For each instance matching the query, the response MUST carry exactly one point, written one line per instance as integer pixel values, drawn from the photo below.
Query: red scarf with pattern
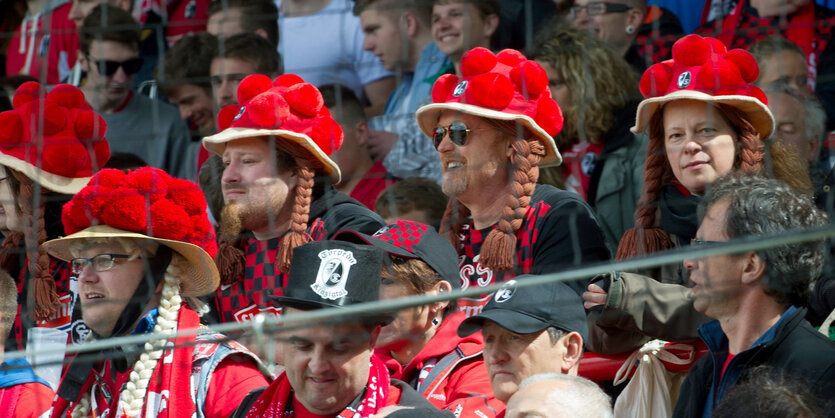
(277, 400)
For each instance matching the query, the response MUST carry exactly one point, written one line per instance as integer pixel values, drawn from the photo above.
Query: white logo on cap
(684, 79)
(506, 292)
(459, 89)
(240, 112)
(382, 230)
(333, 273)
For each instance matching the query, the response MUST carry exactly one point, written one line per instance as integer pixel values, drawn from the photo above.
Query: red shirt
(372, 184)
(47, 42)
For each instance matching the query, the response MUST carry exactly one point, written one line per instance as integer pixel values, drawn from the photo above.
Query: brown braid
(45, 294)
(656, 171)
(9, 255)
(499, 248)
(750, 156)
(298, 218)
(451, 225)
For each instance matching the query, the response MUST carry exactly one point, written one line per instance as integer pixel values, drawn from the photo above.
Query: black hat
(531, 309)
(412, 240)
(327, 274)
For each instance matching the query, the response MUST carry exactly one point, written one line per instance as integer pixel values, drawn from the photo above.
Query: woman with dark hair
(602, 160)
(70, 144)
(421, 345)
(705, 120)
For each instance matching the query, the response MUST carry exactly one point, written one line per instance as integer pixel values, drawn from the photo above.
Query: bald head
(558, 395)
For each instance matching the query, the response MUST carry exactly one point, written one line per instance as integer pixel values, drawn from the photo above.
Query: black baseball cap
(531, 309)
(328, 274)
(412, 240)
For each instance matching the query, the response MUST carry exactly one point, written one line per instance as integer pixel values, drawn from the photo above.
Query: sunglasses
(108, 67)
(458, 133)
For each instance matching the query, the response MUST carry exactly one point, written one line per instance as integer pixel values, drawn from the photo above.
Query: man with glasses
(756, 298)
(620, 22)
(493, 127)
(149, 129)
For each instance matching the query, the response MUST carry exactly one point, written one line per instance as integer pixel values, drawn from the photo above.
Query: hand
(768, 8)
(380, 143)
(595, 296)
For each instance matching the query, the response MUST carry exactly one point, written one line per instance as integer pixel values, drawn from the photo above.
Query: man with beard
(277, 189)
(493, 128)
(149, 129)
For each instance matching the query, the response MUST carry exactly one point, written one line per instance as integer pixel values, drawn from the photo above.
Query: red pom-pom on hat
(529, 77)
(746, 64)
(27, 92)
(127, 210)
(443, 87)
(691, 50)
(510, 57)
(549, 116)
(477, 61)
(287, 80)
(184, 194)
(227, 115)
(268, 110)
(149, 182)
(656, 80)
(304, 98)
(251, 86)
(12, 131)
(491, 90)
(90, 125)
(68, 96)
(67, 159)
(168, 221)
(717, 46)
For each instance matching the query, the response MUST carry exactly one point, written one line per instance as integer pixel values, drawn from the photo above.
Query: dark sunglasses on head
(458, 133)
(108, 67)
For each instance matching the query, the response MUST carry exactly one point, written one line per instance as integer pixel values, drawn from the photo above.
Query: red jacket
(458, 381)
(44, 44)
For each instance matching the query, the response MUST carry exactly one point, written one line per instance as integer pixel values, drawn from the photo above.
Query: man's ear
(442, 286)
(410, 24)
(375, 332)
(262, 33)
(814, 149)
(491, 23)
(754, 268)
(362, 131)
(573, 350)
(635, 18)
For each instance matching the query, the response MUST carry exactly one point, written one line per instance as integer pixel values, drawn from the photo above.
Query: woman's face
(408, 325)
(559, 90)
(10, 218)
(700, 144)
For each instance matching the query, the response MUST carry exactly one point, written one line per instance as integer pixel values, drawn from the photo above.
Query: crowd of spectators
(353, 151)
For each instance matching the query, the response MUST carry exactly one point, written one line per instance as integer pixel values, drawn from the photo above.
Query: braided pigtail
(8, 251)
(82, 408)
(45, 295)
(752, 148)
(651, 237)
(298, 218)
(499, 248)
(132, 397)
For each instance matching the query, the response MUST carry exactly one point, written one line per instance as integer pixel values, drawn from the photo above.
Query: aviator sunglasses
(458, 133)
(108, 67)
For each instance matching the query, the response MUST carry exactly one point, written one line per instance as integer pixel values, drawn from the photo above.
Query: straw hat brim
(427, 119)
(758, 113)
(201, 278)
(53, 182)
(217, 143)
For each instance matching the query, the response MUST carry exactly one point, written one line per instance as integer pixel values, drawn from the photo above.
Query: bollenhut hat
(411, 239)
(55, 139)
(503, 86)
(703, 69)
(289, 109)
(531, 309)
(330, 274)
(145, 204)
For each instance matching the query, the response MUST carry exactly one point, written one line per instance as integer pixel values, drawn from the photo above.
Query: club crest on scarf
(333, 273)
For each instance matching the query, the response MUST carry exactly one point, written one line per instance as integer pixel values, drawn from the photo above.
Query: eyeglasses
(458, 133)
(101, 262)
(700, 243)
(598, 8)
(217, 80)
(108, 67)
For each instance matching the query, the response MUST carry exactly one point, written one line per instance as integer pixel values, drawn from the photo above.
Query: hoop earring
(630, 30)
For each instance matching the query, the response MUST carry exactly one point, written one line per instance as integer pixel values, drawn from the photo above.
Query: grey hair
(575, 396)
(760, 206)
(815, 117)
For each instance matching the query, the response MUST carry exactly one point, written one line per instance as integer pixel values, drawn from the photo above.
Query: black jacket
(797, 349)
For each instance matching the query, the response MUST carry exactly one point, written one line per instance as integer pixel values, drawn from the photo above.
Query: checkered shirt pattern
(656, 48)
(61, 274)
(752, 28)
(473, 274)
(261, 277)
(405, 235)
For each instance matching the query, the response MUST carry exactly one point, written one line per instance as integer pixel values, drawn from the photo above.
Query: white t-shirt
(326, 48)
